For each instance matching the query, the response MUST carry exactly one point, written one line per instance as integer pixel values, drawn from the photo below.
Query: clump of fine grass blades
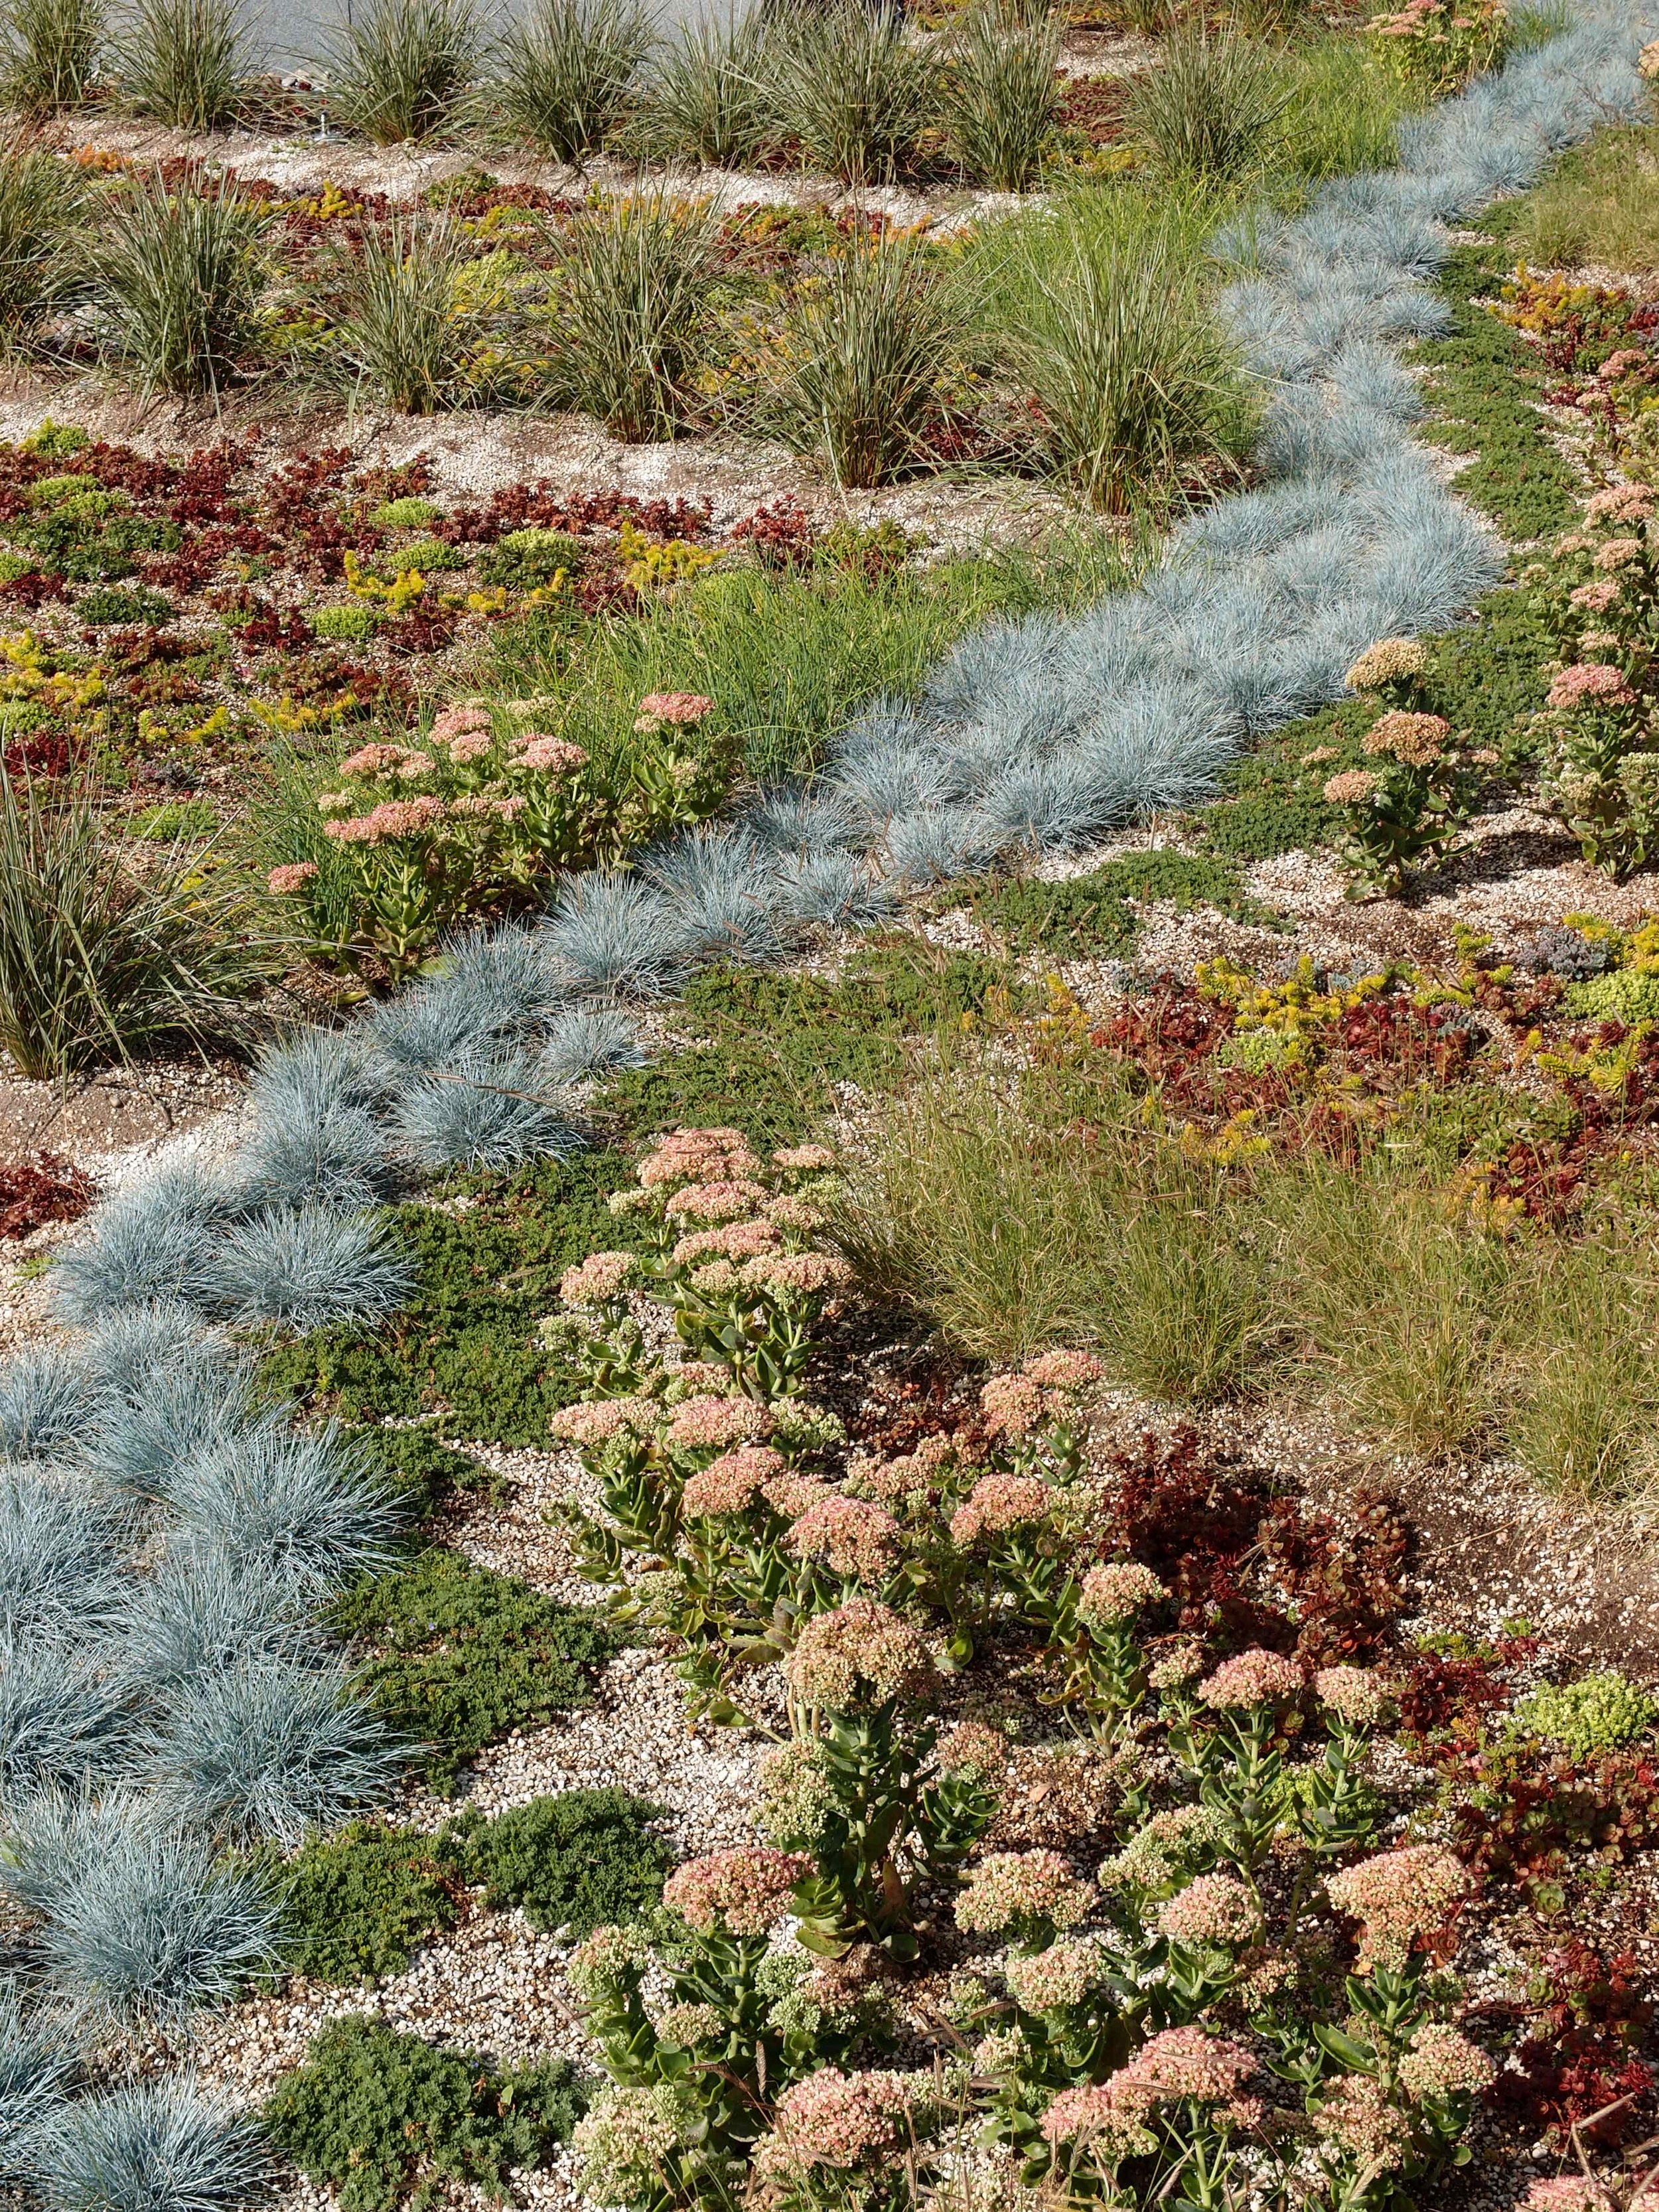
(632, 277)
(1208, 108)
(183, 62)
(177, 280)
(566, 73)
(1598, 204)
(404, 68)
(101, 962)
(1103, 305)
(863, 365)
(855, 90)
(409, 324)
(1000, 104)
(706, 98)
(38, 207)
(49, 54)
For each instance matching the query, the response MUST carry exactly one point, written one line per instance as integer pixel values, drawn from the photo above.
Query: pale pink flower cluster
(1358, 2118)
(859, 1649)
(1573, 2193)
(973, 1749)
(599, 1278)
(699, 1423)
(849, 1537)
(789, 1495)
(1253, 1678)
(1093, 2119)
(1352, 788)
(467, 720)
(998, 1503)
(1182, 2062)
(739, 1240)
(1620, 364)
(675, 710)
(1011, 1887)
(793, 1213)
(697, 1155)
(1115, 1591)
(1590, 680)
(294, 876)
(833, 2118)
(471, 746)
(803, 1159)
(742, 1890)
(533, 748)
(1617, 553)
(796, 1274)
(1441, 2062)
(1386, 663)
(600, 1420)
(1214, 1908)
(412, 767)
(1416, 739)
(372, 760)
(1013, 1404)
(1180, 1663)
(730, 1483)
(1051, 1980)
(1353, 1694)
(1595, 598)
(910, 1475)
(393, 818)
(1064, 1370)
(728, 1201)
(1398, 1896)
(1647, 68)
(1622, 503)
(704, 1378)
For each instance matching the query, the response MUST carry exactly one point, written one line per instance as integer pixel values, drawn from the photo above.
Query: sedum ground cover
(732, 1598)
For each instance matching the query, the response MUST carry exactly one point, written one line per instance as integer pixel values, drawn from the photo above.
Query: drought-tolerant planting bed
(900, 1446)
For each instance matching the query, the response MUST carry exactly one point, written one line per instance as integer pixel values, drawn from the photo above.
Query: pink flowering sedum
(1617, 553)
(1623, 503)
(702, 1423)
(726, 1200)
(1013, 1404)
(1094, 2120)
(1441, 2062)
(1016, 1889)
(849, 1537)
(548, 755)
(1254, 1677)
(697, 1155)
(1182, 2062)
(1394, 658)
(996, 1503)
(470, 746)
(838, 2119)
(1352, 788)
(730, 1483)
(600, 1278)
(803, 1159)
(739, 1240)
(1595, 598)
(1569, 2192)
(1353, 1694)
(859, 1652)
(796, 1274)
(292, 876)
(1399, 1897)
(463, 721)
(1064, 1370)
(600, 1420)
(393, 818)
(678, 710)
(1115, 1591)
(1358, 2118)
(1416, 739)
(1590, 682)
(742, 1892)
(371, 760)
(1054, 1979)
(1214, 1908)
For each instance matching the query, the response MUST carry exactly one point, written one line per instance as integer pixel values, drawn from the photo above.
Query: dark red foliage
(41, 752)
(1526, 1806)
(31, 588)
(1194, 1516)
(1586, 2028)
(1347, 1584)
(781, 535)
(33, 1191)
(1446, 1698)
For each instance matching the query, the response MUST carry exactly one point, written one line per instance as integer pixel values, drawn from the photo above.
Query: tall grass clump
(1582, 1394)
(1209, 106)
(401, 68)
(853, 90)
(633, 278)
(177, 280)
(1598, 204)
(1103, 306)
(1342, 112)
(1001, 98)
(706, 98)
(565, 73)
(49, 53)
(183, 61)
(408, 324)
(864, 362)
(38, 206)
(99, 964)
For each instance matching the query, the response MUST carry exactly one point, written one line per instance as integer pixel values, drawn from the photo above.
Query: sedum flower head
(1398, 1896)
(1013, 1404)
(1117, 1591)
(1441, 2062)
(1253, 1678)
(1358, 2118)
(1351, 787)
(1353, 1694)
(848, 1536)
(1416, 739)
(1182, 2062)
(1053, 1980)
(1020, 1890)
(741, 1893)
(626, 2135)
(1390, 662)
(730, 1483)
(1214, 1908)
(1094, 2120)
(999, 1502)
(861, 1653)
(702, 1423)
(845, 2120)
(601, 1420)
(598, 1280)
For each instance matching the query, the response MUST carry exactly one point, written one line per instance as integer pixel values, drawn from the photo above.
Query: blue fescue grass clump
(150, 2146)
(484, 1114)
(271, 1747)
(58, 1538)
(46, 1396)
(155, 1242)
(306, 1268)
(291, 1507)
(199, 1608)
(35, 2071)
(337, 1157)
(134, 1441)
(135, 1920)
(615, 934)
(587, 1040)
(58, 1715)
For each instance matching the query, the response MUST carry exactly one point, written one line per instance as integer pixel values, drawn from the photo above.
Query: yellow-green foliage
(1600, 205)
(1602, 1712)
